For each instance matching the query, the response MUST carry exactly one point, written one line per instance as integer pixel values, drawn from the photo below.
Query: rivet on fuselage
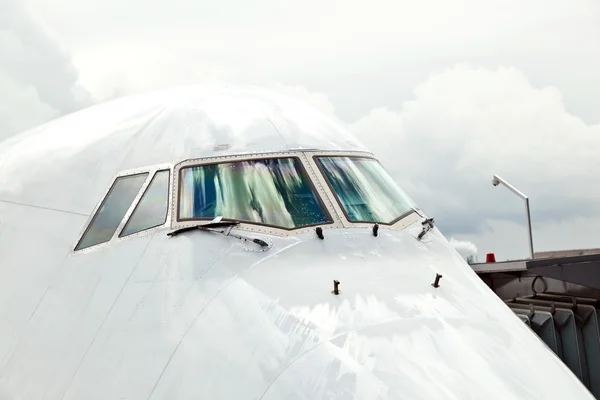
(436, 283)
(336, 289)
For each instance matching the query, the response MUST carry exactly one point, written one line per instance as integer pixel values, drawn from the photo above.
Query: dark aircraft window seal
(364, 190)
(152, 209)
(274, 192)
(112, 210)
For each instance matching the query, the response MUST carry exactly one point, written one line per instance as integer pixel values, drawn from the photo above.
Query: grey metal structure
(558, 298)
(572, 276)
(569, 346)
(524, 318)
(542, 324)
(581, 270)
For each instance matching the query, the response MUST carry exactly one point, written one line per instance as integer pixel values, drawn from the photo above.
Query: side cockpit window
(152, 209)
(112, 210)
(274, 191)
(149, 212)
(364, 189)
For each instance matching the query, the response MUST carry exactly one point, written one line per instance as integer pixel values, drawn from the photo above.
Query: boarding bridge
(559, 299)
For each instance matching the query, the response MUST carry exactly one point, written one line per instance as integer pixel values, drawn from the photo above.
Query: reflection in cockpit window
(364, 189)
(270, 191)
(112, 210)
(152, 209)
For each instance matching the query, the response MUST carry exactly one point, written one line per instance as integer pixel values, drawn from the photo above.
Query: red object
(490, 258)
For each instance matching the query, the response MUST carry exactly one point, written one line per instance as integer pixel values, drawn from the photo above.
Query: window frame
(309, 166)
(399, 222)
(308, 173)
(151, 171)
(94, 215)
(138, 200)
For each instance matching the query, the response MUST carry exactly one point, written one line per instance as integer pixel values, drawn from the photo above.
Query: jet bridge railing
(542, 323)
(559, 299)
(525, 318)
(586, 320)
(575, 320)
(567, 338)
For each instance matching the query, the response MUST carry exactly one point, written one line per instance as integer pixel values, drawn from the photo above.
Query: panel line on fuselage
(42, 207)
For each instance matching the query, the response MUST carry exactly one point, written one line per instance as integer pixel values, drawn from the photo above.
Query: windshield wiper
(216, 224)
(209, 225)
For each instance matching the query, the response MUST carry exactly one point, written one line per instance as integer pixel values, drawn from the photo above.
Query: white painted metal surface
(499, 267)
(203, 315)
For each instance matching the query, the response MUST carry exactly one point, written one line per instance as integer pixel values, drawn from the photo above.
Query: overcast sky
(446, 93)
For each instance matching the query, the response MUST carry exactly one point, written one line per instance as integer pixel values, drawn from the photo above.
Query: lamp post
(496, 181)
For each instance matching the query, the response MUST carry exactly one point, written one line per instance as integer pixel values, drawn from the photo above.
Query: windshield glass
(364, 189)
(269, 191)
(112, 210)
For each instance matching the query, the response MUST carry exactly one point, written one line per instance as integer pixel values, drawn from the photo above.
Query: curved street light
(496, 181)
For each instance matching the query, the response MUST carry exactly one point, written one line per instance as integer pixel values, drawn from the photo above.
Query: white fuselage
(203, 315)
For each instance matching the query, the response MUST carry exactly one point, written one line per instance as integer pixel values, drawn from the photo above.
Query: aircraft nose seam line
(58, 271)
(345, 332)
(322, 342)
(43, 208)
(104, 320)
(268, 117)
(289, 365)
(133, 141)
(281, 250)
(189, 328)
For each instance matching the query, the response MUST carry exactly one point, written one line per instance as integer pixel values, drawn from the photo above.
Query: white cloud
(362, 55)
(464, 125)
(20, 107)
(37, 80)
(465, 248)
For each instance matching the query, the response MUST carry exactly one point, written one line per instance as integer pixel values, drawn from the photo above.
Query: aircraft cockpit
(277, 194)
(234, 243)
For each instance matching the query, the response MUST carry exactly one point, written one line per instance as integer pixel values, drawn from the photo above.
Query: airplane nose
(423, 359)
(390, 333)
(268, 321)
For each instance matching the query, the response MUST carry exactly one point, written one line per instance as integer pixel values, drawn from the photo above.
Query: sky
(445, 92)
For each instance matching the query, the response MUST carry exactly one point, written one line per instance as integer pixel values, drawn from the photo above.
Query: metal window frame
(144, 191)
(399, 222)
(176, 222)
(326, 197)
(318, 180)
(151, 171)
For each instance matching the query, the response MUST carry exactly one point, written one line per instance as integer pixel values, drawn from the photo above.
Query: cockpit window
(112, 210)
(152, 209)
(274, 191)
(364, 189)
